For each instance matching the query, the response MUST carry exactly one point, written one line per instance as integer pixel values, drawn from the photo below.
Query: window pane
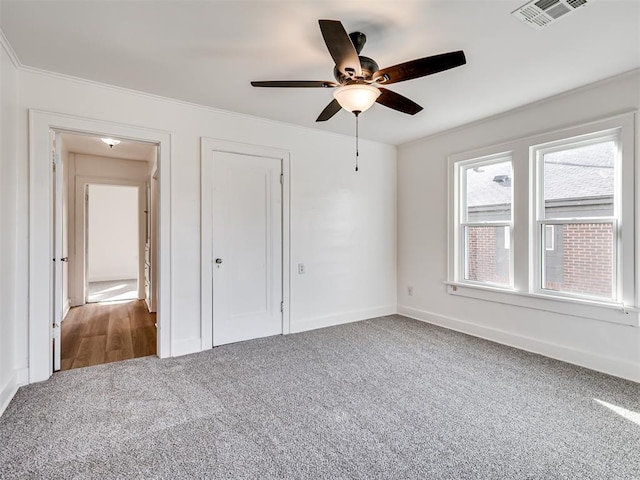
(581, 260)
(488, 193)
(579, 182)
(486, 259)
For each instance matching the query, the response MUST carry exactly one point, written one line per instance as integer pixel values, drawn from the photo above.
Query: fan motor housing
(368, 65)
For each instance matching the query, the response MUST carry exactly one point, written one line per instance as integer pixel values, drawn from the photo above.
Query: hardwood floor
(101, 333)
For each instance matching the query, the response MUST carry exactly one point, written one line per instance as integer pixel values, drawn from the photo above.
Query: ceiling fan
(358, 78)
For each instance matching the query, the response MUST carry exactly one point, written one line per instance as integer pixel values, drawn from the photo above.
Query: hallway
(107, 332)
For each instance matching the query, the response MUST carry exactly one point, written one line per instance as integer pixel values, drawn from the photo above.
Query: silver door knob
(65, 259)
(218, 261)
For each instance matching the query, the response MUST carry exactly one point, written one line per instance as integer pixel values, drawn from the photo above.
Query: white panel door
(247, 247)
(58, 259)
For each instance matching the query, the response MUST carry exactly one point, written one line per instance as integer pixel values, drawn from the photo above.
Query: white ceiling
(126, 149)
(207, 52)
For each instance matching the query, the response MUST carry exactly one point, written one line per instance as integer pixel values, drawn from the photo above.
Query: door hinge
(282, 306)
(282, 179)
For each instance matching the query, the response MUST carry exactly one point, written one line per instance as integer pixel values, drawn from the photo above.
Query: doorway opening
(46, 265)
(106, 293)
(112, 243)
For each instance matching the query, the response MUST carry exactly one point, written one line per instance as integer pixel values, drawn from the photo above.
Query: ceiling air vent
(541, 13)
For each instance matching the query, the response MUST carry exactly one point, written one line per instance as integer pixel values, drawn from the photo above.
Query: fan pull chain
(357, 113)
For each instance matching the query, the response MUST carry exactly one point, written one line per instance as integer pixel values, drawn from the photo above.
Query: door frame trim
(207, 146)
(81, 244)
(41, 223)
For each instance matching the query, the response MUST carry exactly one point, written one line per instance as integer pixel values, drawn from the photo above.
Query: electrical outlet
(410, 291)
(301, 269)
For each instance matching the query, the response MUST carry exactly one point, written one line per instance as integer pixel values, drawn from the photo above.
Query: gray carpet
(387, 398)
(113, 290)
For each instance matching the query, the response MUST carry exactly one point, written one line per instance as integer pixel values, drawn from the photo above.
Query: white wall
(10, 319)
(342, 222)
(422, 236)
(112, 233)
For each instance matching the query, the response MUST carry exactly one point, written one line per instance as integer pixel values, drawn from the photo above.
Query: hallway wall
(112, 233)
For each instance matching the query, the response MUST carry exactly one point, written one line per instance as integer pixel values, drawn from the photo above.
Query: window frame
(461, 215)
(525, 244)
(537, 153)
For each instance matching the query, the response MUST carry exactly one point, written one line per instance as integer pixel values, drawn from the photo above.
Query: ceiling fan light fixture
(357, 97)
(110, 141)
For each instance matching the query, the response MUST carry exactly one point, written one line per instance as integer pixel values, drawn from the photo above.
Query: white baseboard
(8, 391)
(22, 376)
(583, 358)
(341, 318)
(185, 347)
(194, 345)
(75, 303)
(65, 308)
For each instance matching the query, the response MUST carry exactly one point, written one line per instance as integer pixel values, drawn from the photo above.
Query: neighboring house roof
(482, 190)
(580, 173)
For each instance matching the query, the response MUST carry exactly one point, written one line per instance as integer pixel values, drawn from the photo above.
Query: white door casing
(82, 227)
(244, 225)
(41, 218)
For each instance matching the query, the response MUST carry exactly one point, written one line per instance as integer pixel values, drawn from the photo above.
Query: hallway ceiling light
(110, 141)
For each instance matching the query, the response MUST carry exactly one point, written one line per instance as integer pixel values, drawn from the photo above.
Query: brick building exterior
(583, 266)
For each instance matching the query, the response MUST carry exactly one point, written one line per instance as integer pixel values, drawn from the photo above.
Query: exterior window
(486, 199)
(548, 222)
(576, 218)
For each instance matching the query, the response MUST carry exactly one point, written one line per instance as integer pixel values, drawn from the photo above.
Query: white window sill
(603, 311)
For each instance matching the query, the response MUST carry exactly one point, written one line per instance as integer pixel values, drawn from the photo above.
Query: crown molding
(25, 68)
(10, 51)
(175, 101)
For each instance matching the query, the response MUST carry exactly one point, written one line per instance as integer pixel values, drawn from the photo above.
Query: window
(576, 198)
(548, 221)
(486, 216)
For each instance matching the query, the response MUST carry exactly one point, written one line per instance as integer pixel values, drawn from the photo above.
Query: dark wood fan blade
(295, 84)
(329, 111)
(398, 102)
(340, 47)
(420, 67)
